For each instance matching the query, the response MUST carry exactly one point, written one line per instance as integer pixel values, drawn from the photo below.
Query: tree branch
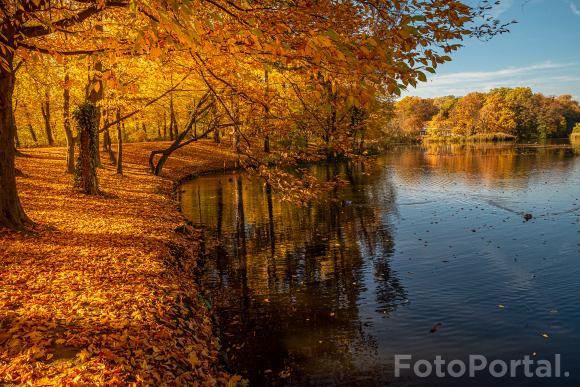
(149, 103)
(64, 53)
(79, 17)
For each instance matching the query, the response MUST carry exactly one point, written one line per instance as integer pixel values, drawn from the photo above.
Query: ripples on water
(327, 294)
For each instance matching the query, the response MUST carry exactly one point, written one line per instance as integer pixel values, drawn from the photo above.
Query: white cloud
(458, 78)
(574, 9)
(549, 78)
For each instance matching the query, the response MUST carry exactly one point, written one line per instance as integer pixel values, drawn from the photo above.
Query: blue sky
(542, 51)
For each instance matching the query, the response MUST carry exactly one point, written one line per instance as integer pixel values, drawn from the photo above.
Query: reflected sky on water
(327, 293)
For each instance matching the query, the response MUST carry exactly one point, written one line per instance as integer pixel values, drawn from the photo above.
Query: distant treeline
(500, 113)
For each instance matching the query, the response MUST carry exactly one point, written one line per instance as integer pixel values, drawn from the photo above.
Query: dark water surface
(328, 294)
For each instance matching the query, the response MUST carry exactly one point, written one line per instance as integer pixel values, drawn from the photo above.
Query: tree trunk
(16, 139)
(237, 132)
(45, 107)
(107, 144)
(171, 117)
(175, 126)
(119, 144)
(86, 174)
(108, 147)
(30, 128)
(94, 94)
(11, 213)
(164, 125)
(70, 140)
(201, 110)
(266, 113)
(106, 138)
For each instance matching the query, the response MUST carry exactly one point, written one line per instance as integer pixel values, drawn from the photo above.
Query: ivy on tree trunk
(86, 117)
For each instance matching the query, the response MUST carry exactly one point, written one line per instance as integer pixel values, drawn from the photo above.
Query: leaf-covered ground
(102, 291)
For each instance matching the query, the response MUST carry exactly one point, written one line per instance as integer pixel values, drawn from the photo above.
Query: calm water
(328, 294)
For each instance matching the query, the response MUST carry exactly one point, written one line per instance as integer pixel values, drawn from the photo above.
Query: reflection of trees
(287, 281)
(491, 164)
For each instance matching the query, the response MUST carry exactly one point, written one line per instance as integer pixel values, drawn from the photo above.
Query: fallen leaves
(93, 295)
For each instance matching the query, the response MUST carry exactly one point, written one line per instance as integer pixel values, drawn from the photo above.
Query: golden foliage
(94, 295)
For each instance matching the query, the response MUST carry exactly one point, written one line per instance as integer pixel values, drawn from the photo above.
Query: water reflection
(495, 166)
(327, 293)
(291, 278)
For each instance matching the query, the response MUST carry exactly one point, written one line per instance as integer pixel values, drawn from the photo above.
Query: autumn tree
(515, 112)
(496, 115)
(465, 115)
(26, 25)
(356, 51)
(413, 113)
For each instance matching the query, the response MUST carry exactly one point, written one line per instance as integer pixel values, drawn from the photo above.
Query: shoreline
(104, 289)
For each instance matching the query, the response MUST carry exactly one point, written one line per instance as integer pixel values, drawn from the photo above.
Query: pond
(427, 253)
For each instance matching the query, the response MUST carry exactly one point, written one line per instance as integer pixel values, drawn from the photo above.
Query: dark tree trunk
(86, 174)
(32, 134)
(164, 125)
(16, 139)
(45, 107)
(119, 144)
(266, 113)
(237, 129)
(216, 136)
(70, 140)
(201, 109)
(175, 126)
(107, 144)
(30, 128)
(106, 138)
(171, 118)
(11, 213)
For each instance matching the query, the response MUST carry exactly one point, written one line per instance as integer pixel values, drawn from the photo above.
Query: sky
(541, 51)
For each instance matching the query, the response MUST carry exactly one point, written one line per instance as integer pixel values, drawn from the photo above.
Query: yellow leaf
(155, 52)
(83, 355)
(234, 380)
(193, 360)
